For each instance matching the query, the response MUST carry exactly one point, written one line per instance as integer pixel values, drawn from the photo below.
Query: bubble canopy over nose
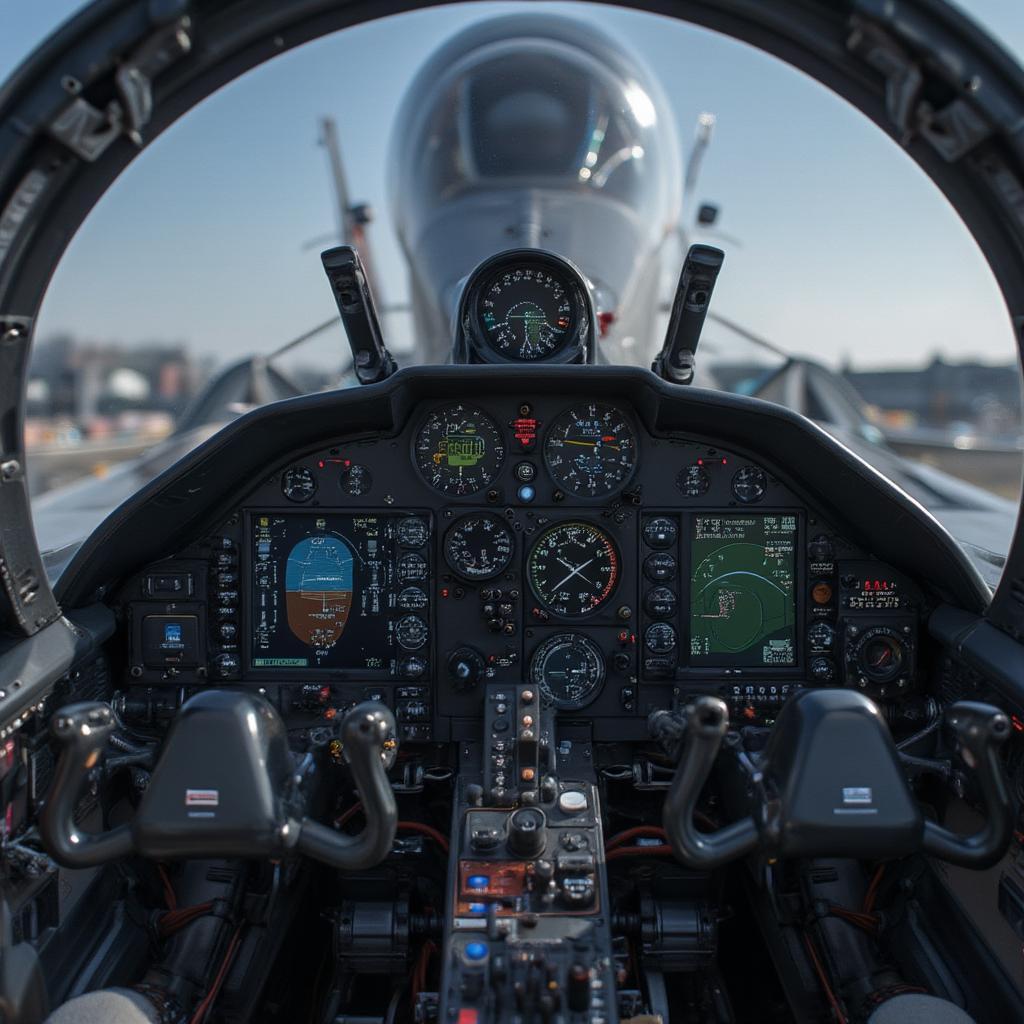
(532, 101)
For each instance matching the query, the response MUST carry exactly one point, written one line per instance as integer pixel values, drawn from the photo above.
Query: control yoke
(830, 784)
(225, 786)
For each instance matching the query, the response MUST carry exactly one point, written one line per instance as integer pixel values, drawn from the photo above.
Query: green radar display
(742, 591)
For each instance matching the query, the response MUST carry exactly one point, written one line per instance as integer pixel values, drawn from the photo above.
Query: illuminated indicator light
(325, 693)
(476, 951)
(444, 591)
(330, 713)
(478, 908)
(1017, 723)
(623, 637)
(478, 881)
(700, 462)
(528, 774)
(526, 493)
(822, 593)
(321, 464)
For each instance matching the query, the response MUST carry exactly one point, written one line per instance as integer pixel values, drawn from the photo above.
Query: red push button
(468, 1016)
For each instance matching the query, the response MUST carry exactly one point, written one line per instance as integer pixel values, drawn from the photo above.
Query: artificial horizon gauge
(749, 484)
(355, 480)
(298, 484)
(568, 669)
(590, 450)
(526, 312)
(693, 481)
(479, 546)
(573, 569)
(459, 449)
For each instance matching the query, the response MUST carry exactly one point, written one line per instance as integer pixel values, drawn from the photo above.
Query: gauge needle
(576, 571)
(593, 444)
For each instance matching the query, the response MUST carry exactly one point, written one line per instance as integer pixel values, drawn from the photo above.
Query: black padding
(219, 786)
(833, 781)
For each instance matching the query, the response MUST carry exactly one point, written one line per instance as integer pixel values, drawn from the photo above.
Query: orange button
(822, 593)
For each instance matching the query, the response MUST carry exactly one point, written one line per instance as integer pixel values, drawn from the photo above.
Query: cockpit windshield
(610, 138)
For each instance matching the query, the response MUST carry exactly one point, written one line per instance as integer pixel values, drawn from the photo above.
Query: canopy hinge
(88, 131)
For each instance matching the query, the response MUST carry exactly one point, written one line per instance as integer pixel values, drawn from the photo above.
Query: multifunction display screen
(743, 590)
(336, 591)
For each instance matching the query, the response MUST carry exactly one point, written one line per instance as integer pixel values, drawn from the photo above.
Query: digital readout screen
(743, 590)
(322, 592)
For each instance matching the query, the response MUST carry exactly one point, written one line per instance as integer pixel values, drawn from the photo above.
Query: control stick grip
(82, 731)
(707, 721)
(981, 730)
(367, 739)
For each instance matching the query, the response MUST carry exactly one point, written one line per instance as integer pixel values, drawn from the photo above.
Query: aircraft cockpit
(522, 679)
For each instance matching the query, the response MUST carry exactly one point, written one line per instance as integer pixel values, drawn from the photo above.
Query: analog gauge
(355, 480)
(412, 599)
(412, 568)
(568, 669)
(590, 450)
(459, 449)
(411, 632)
(413, 532)
(693, 481)
(660, 638)
(573, 568)
(749, 484)
(526, 312)
(880, 655)
(298, 483)
(479, 547)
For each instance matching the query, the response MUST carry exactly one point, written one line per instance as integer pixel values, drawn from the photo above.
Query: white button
(572, 801)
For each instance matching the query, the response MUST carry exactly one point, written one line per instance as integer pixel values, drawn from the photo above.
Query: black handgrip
(82, 731)
(981, 730)
(367, 739)
(707, 721)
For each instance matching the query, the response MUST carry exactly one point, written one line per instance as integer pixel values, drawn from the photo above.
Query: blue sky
(848, 251)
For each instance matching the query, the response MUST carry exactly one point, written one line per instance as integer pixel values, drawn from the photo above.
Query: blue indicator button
(478, 881)
(478, 908)
(476, 951)
(527, 493)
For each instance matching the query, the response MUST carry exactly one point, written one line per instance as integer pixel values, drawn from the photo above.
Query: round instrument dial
(693, 481)
(298, 483)
(749, 484)
(413, 532)
(355, 480)
(459, 449)
(526, 312)
(880, 655)
(573, 569)
(479, 547)
(590, 450)
(568, 669)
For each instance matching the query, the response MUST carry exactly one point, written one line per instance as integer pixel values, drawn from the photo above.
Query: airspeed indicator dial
(590, 450)
(573, 569)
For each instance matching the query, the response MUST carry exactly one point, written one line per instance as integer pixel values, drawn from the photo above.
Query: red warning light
(525, 430)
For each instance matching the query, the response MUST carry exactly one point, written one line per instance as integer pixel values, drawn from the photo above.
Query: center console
(527, 935)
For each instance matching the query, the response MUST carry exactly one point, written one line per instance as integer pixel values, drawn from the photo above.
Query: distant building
(83, 381)
(941, 394)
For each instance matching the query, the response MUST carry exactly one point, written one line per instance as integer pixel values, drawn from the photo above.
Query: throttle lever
(980, 730)
(707, 721)
(82, 730)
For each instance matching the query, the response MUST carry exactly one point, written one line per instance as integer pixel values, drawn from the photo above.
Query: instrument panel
(550, 540)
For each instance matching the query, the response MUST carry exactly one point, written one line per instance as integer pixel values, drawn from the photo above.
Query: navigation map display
(742, 590)
(325, 592)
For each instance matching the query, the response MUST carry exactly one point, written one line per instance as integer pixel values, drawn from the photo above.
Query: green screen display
(742, 590)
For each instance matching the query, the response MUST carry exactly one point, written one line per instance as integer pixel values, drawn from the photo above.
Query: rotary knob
(466, 667)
